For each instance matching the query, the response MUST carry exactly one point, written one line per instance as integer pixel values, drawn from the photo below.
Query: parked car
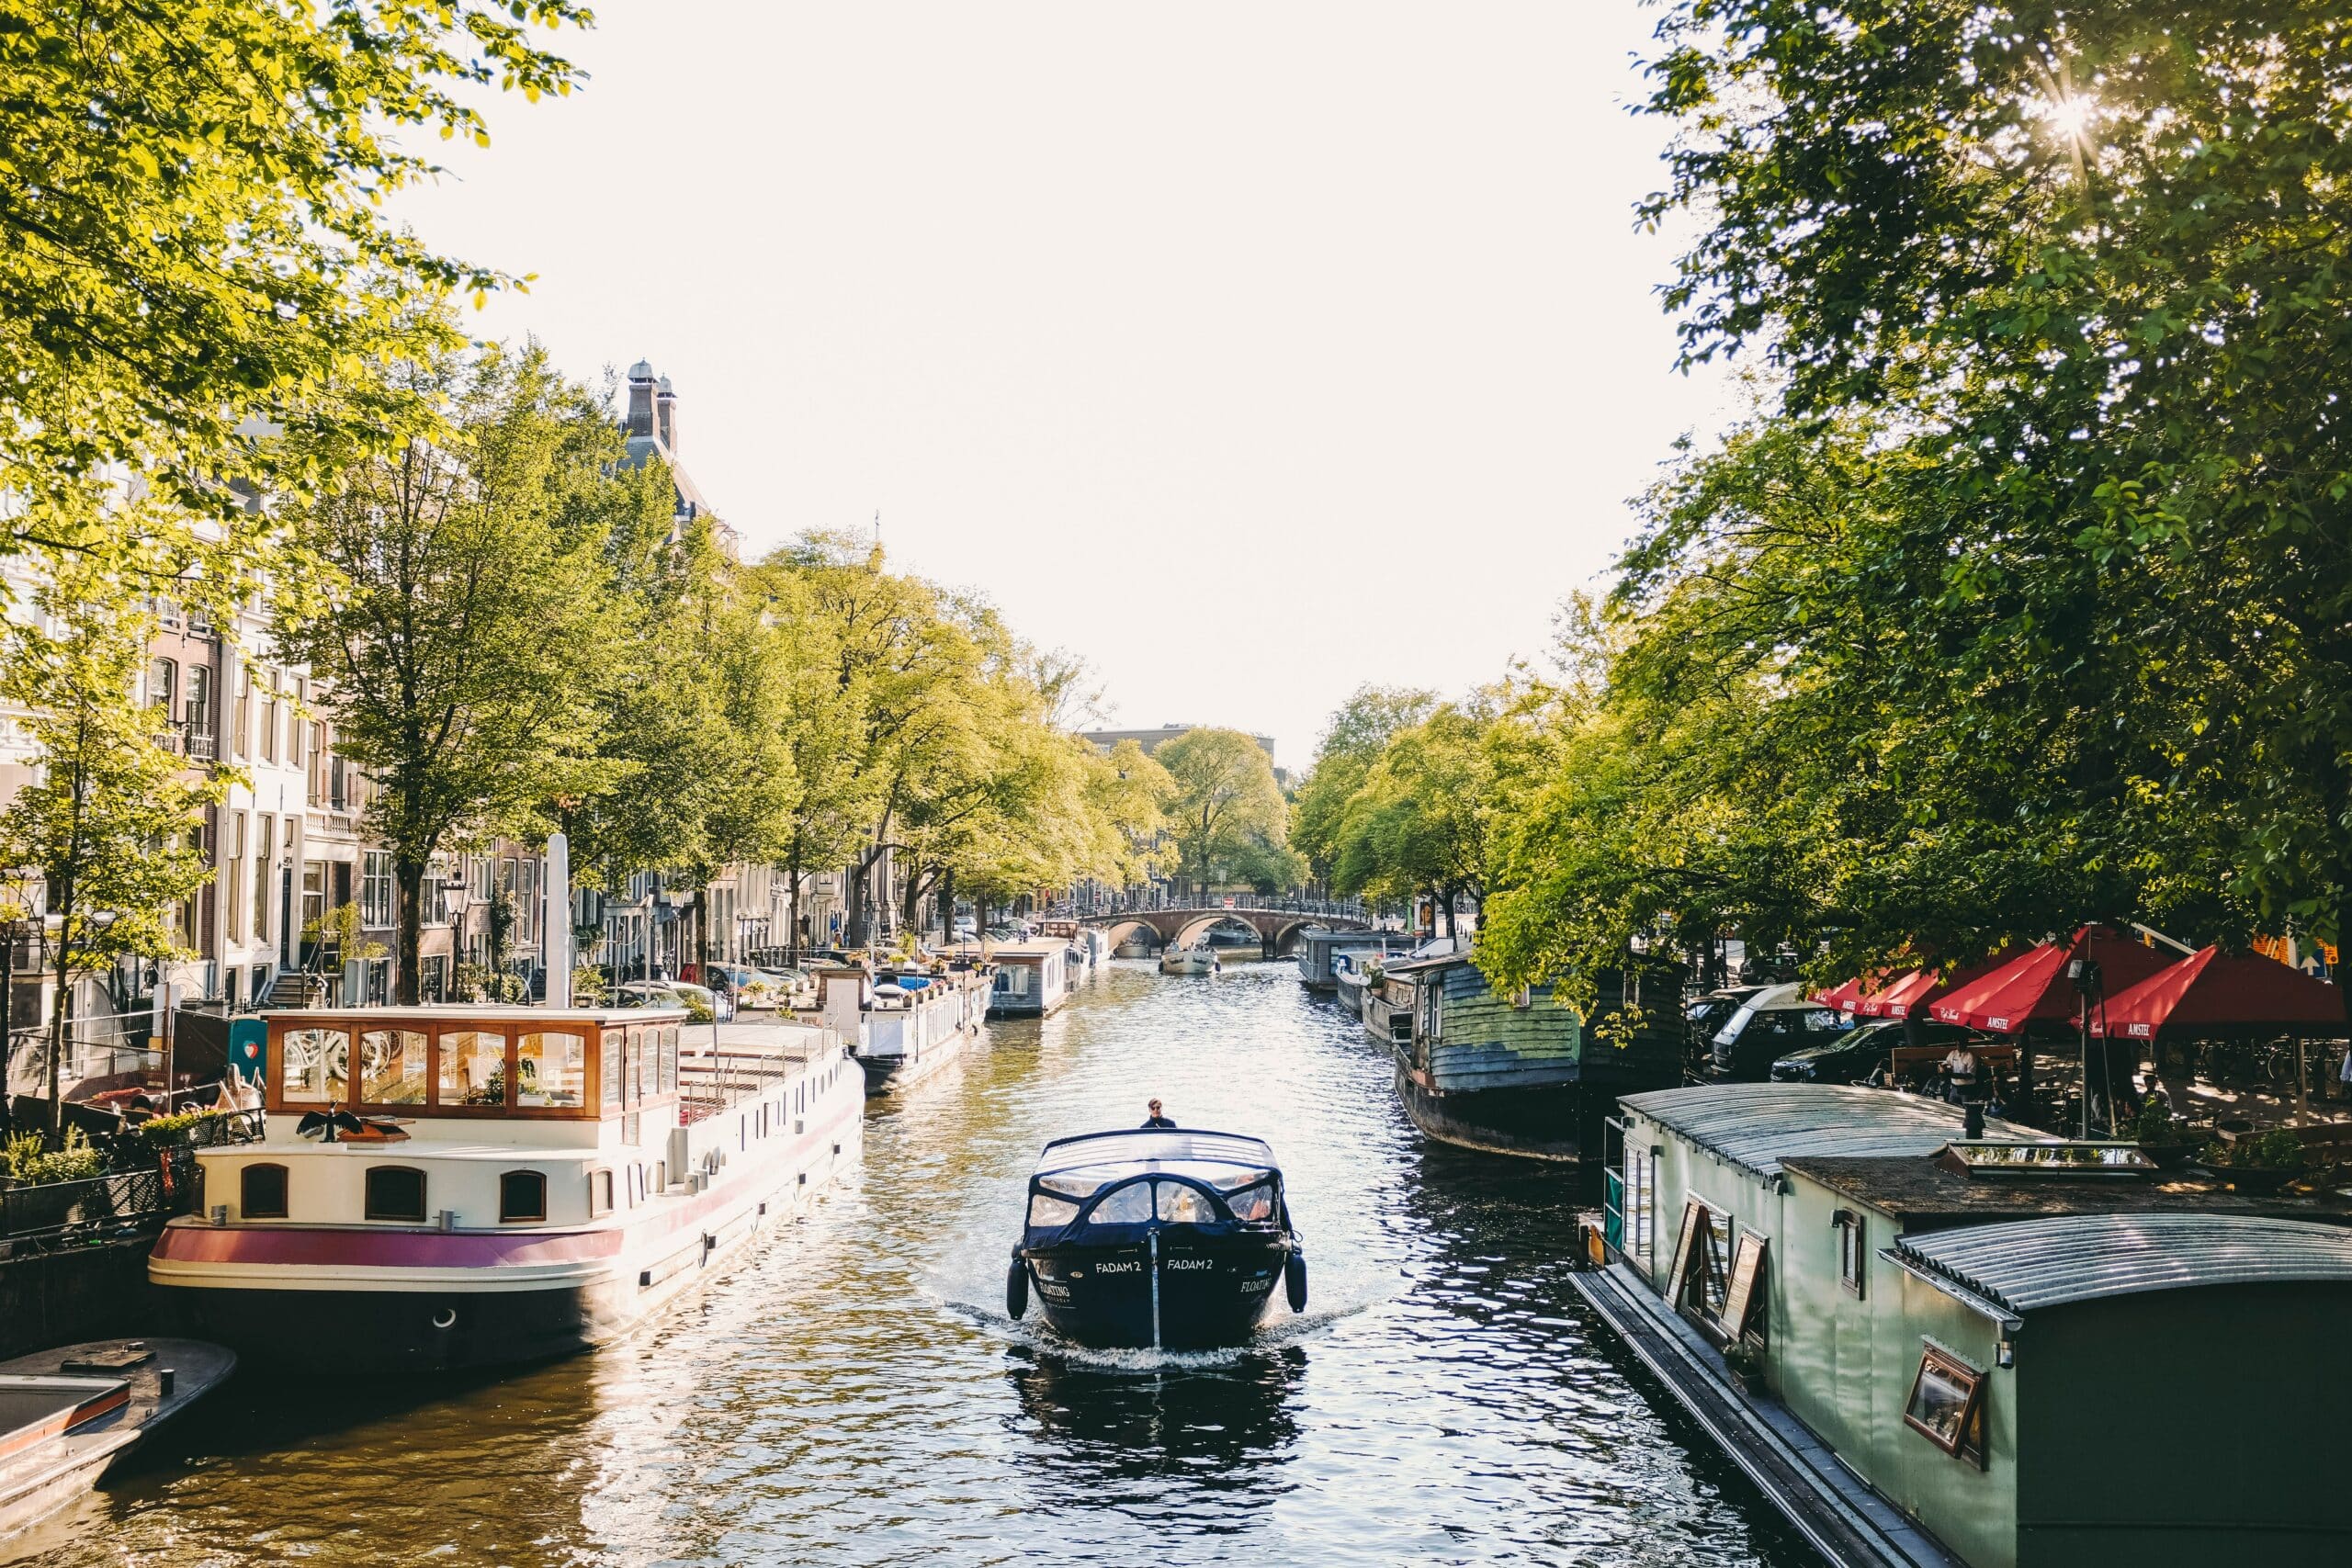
(700, 1001)
(1854, 1057)
(1777, 1021)
(1707, 1014)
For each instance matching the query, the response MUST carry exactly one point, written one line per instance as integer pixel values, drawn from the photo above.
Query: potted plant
(1745, 1362)
(2161, 1136)
(2262, 1164)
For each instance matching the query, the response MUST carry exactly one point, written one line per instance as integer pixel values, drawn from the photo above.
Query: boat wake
(1290, 1329)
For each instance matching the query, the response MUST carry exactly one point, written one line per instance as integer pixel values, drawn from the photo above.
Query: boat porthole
(445, 1318)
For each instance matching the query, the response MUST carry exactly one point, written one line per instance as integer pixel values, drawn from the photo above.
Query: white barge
(501, 1183)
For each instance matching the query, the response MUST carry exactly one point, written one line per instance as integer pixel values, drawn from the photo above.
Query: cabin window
(633, 1074)
(1044, 1210)
(610, 1053)
(473, 1068)
(1849, 1249)
(522, 1195)
(1252, 1202)
(1946, 1404)
(1178, 1204)
(1127, 1206)
(668, 1077)
(1633, 997)
(261, 1192)
(396, 1193)
(600, 1193)
(318, 1065)
(552, 1069)
(391, 1067)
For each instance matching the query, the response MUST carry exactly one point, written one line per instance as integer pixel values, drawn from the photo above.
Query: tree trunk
(792, 912)
(947, 907)
(408, 968)
(60, 999)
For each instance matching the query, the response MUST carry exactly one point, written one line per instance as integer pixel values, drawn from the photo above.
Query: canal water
(856, 1396)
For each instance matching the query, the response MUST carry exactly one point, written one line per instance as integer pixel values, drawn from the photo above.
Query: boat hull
(1213, 1290)
(1558, 1121)
(884, 1073)
(385, 1333)
(1187, 964)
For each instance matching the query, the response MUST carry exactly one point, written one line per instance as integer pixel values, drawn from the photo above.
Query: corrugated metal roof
(2027, 1264)
(1758, 1125)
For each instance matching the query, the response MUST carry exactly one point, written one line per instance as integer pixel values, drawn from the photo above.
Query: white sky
(1251, 351)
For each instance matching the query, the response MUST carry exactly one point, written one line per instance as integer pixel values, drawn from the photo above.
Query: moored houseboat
(1353, 971)
(1964, 1341)
(71, 1415)
(1157, 1236)
(903, 1026)
(1522, 1074)
(1319, 945)
(447, 1187)
(1032, 977)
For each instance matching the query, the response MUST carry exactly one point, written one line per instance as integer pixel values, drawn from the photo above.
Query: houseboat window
(600, 1193)
(633, 1078)
(261, 1192)
(1717, 1238)
(473, 1068)
(551, 1069)
(396, 1193)
(1252, 1203)
(668, 1077)
(1182, 1205)
(1044, 1210)
(1946, 1404)
(318, 1065)
(391, 1067)
(522, 1195)
(608, 1065)
(1849, 1249)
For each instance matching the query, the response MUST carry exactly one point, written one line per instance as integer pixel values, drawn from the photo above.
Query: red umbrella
(2034, 988)
(2210, 991)
(1874, 1005)
(1841, 998)
(1923, 986)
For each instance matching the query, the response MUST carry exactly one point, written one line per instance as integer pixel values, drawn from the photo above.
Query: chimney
(640, 398)
(665, 411)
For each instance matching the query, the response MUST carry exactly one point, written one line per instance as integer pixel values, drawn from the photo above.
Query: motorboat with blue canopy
(1160, 1237)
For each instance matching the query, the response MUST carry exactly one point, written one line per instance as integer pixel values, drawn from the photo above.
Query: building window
(269, 721)
(1849, 1249)
(1946, 1404)
(377, 893)
(199, 711)
(262, 837)
(261, 1192)
(522, 1195)
(600, 1193)
(391, 1067)
(396, 1193)
(163, 685)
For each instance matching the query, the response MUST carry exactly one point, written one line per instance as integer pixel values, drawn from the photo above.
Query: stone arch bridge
(1276, 928)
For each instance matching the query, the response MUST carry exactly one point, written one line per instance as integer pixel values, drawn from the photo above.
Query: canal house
(1516, 1072)
(2006, 1349)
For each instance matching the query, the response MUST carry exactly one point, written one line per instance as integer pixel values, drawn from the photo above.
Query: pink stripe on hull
(297, 1245)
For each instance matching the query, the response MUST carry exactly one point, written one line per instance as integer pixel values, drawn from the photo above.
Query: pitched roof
(2028, 1264)
(1757, 1125)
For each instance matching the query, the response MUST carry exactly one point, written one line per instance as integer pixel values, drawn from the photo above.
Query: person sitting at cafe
(1959, 1069)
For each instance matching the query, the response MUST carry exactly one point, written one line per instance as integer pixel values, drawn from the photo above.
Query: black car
(1170, 1238)
(1853, 1058)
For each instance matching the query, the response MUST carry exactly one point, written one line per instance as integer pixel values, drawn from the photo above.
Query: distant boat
(1156, 1236)
(1197, 960)
(1033, 978)
(1351, 973)
(1133, 947)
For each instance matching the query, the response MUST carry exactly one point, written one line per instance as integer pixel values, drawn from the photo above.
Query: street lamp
(2083, 970)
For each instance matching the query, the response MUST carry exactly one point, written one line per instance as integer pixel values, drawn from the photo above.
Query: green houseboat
(1932, 1341)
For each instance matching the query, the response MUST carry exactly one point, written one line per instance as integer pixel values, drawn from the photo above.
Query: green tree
(1351, 744)
(108, 822)
(463, 654)
(197, 246)
(1226, 808)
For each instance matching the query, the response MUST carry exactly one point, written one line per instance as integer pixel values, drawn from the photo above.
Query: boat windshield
(1154, 1148)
